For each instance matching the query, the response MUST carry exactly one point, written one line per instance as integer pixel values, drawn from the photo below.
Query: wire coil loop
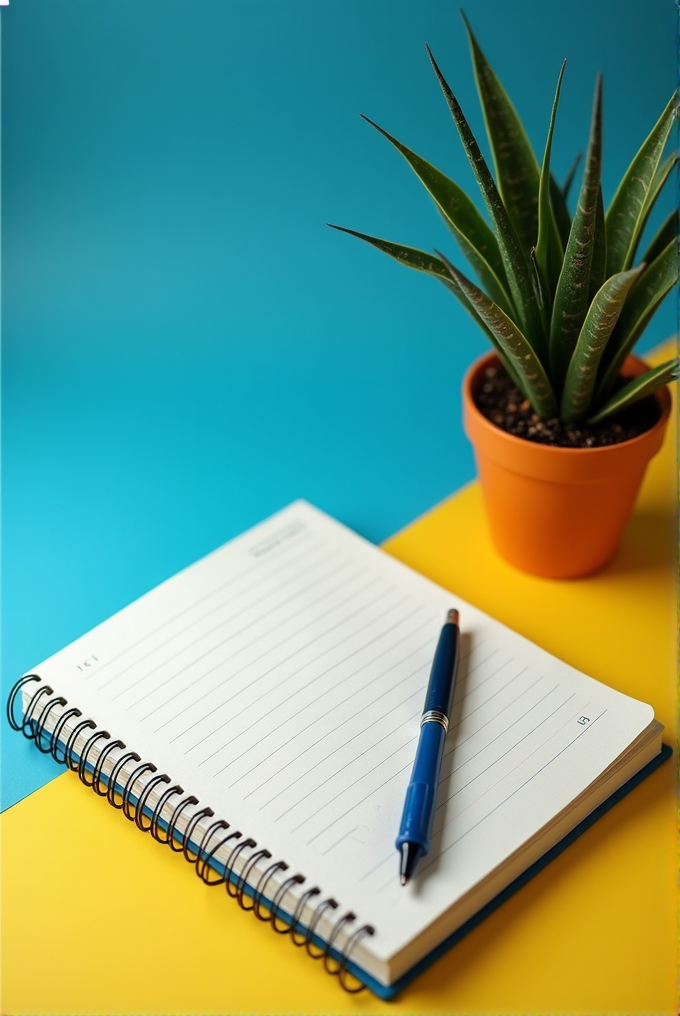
(99, 767)
(345, 919)
(177, 843)
(154, 827)
(128, 756)
(14, 724)
(203, 853)
(205, 869)
(42, 720)
(278, 899)
(82, 725)
(82, 763)
(229, 867)
(260, 889)
(311, 930)
(365, 929)
(243, 878)
(189, 831)
(144, 797)
(299, 910)
(56, 734)
(26, 726)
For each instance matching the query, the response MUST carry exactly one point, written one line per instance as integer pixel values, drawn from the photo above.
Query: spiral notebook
(260, 710)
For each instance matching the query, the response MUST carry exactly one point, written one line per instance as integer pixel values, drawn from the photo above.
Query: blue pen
(413, 841)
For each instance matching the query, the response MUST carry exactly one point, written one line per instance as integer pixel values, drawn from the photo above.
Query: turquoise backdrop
(187, 347)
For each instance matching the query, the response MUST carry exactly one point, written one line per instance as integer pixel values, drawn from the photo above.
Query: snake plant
(563, 301)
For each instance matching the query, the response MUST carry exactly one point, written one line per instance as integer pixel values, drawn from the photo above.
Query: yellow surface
(97, 918)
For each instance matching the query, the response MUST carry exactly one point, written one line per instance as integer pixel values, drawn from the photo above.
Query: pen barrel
(418, 814)
(440, 687)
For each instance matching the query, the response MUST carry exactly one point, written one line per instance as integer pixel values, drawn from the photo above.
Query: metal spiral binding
(33, 726)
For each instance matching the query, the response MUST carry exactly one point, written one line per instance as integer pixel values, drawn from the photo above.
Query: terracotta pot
(557, 512)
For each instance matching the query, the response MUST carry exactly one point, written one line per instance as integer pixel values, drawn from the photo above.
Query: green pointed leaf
(518, 351)
(638, 388)
(627, 211)
(597, 327)
(421, 261)
(644, 298)
(477, 241)
(560, 210)
(513, 156)
(598, 267)
(515, 258)
(542, 297)
(549, 251)
(660, 177)
(571, 298)
(665, 234)
(569, 178)
(409, 256)
(558, 200)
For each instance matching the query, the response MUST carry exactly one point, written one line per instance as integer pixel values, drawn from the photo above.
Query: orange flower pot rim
(491, 360)
(551, 462)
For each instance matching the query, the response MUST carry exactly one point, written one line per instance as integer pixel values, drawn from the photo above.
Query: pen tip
(452, 617)
(404, 880)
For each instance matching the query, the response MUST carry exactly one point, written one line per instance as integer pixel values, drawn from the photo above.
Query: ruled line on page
(393, 730)
(507, 772)
(334, 666)
(317, 718)
(419, 690)
(249, 607)
(279, 663)
(516, 790)
(175, 617)
(394, 774)
(340, 747)
(249, 645)
(465, 762)
(534, 774)
(343, 837)
(251, 661)
(137, 681)
(455, 725)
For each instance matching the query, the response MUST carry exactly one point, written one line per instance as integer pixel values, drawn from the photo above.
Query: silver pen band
(435, 716)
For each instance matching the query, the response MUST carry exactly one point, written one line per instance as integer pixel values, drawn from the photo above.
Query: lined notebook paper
(281, 681)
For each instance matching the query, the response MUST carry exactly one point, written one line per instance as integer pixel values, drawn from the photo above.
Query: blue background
(187, 347)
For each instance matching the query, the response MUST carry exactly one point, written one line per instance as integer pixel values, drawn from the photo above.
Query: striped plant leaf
(561, 211)
(598, 267)
(571, 297)
(600, 320)
(628, 209)
(665, 234)
(542, 295)
(515, 258)
(558, 199)
(644, 298)
(421, 261)
(477, 241)
(569, 178)
(517, 350)
(514, 159)
(638, 388)
(660, 177)
(549, 250)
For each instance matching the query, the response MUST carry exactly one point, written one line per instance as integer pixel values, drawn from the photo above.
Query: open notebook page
(281, 681)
